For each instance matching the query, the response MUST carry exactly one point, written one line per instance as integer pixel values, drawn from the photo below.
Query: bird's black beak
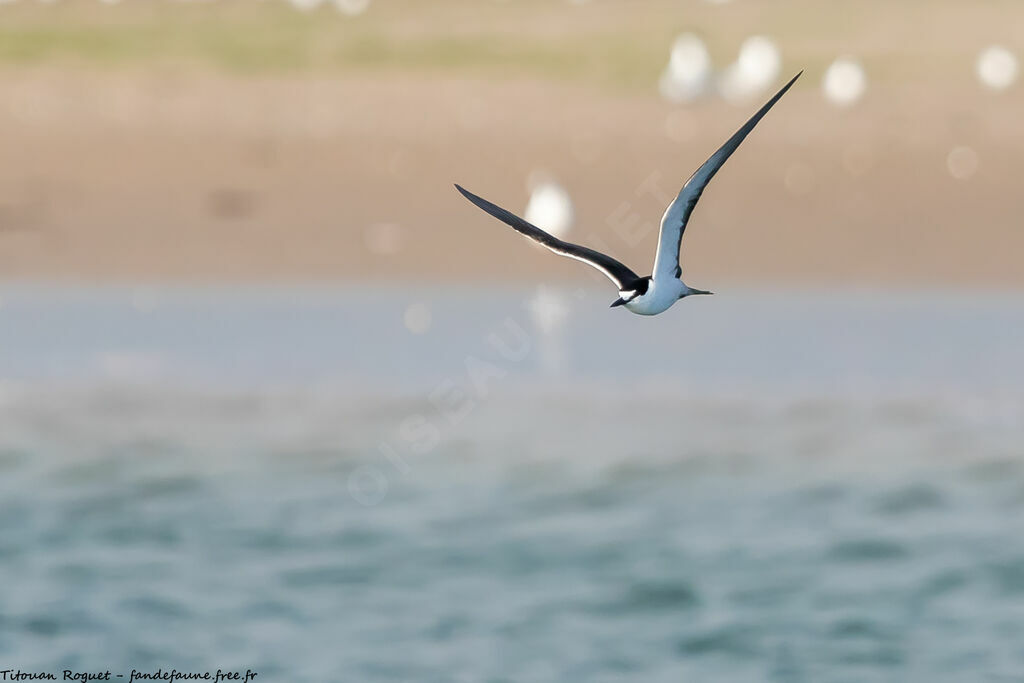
(617, 302)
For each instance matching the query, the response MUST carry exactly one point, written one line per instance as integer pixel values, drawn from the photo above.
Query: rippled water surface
(781, 488)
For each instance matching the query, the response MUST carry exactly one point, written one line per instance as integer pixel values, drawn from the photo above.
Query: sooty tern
(654, 293)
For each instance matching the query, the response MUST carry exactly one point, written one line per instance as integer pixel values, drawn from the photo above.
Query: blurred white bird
(845, 82)
(997, 67)
(690, 73)
(550, 207)
(755, 69)
(689, 70)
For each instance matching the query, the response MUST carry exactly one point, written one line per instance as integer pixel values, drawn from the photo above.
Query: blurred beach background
(274, 396)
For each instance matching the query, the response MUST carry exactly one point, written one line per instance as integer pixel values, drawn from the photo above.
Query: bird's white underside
(659, 297)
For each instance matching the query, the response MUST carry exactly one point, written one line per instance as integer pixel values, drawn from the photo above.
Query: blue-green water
(780, 488)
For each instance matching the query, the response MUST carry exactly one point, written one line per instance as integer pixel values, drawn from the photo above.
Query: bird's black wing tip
(466, 193)
(469, 195)
(785, 88)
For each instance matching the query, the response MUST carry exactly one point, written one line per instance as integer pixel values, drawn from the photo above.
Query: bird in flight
(651, 294)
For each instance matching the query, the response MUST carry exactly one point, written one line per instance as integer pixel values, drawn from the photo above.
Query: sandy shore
(181, 174)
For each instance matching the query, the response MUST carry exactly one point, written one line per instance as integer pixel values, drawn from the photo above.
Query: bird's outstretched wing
(673, 223)
(618, 273)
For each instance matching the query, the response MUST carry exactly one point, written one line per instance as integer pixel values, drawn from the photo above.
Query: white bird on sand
(655, 293)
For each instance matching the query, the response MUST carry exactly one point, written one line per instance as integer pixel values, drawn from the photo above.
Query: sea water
(341, 484)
